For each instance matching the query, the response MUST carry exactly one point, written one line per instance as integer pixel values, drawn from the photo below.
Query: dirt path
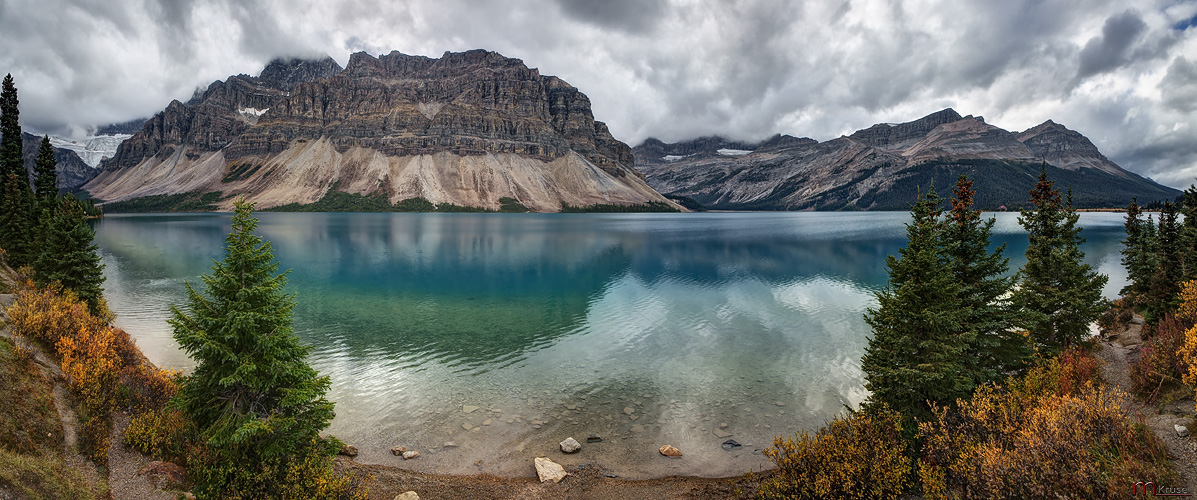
(1117, 354)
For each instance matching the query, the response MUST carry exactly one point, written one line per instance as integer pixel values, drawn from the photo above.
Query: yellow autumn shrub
(859, 457)
(1006, 444)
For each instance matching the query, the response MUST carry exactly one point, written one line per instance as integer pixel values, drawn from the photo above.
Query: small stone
(398, 450)
(349, 450)
(407, 495)
(486, 422)
(469, 409)
(719, 433)
(1181, 430)
(723, 425)
(571, 406)
(637, 428)
(570, 445)
(670, 451)
(408, 455)
(628, 410)
(548, 470)
(779, 403)
(730, 444)
(593, 439)
(633, 417)
(467, 426)
(449, 444)
(1136, 321)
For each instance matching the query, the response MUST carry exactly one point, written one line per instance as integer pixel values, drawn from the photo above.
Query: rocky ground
(1117, 353)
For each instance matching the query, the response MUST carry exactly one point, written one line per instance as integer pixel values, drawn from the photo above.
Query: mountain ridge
(466, 129)
(882, 167)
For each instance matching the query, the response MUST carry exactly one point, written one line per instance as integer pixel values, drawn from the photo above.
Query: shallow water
(643, 329)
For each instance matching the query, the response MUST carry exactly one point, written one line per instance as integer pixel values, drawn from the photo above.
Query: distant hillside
(884, 166)
(72, 171)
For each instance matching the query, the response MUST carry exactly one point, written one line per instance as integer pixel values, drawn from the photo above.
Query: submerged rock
(670, 451)
(593, 439)
(449, 444)
(408, 455)
(398, 450)
(548, 470)
(731, 444)
(570, 445)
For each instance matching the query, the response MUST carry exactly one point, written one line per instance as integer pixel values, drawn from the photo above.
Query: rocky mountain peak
(465, 110)
(287, 73)
(1065, 148)
(896, 137)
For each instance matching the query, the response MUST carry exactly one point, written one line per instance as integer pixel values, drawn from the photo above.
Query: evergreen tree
(1058, 295)
(1188, 233)
(17, 234)
(69, 255)
(11, 158)
(1162, 294)
(253, 396)
(1138, 251)
(915, 354)
(45, 179)
(980, 276)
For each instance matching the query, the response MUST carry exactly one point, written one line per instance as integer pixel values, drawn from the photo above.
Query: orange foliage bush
(1161, 365)
(1013, 444)
(162, 433)
(862, 456)
(48, 314)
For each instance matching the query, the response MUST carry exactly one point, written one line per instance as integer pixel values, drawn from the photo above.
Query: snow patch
(91, 149)
(672, 157)
(733, 152)
(254, 112)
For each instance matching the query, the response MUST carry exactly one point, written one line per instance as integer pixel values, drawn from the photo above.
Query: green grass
(42, 477)
(31, 464)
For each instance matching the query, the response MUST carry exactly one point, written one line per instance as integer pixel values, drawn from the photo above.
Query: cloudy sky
(1124, 73)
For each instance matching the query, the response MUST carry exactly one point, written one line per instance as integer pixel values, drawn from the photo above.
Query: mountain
(885, 166)
(72, 171)
(466, 129)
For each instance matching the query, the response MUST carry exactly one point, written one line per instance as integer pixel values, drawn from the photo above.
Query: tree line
(39, 230)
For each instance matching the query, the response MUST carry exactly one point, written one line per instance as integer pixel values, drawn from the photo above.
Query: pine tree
(980, 275)
(17, 235)
(915, 354)
(69, 255)
(45, 179)
(1058, 295)
(252, 394)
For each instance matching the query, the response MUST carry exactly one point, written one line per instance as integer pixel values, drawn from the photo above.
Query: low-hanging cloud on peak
(1119, 71)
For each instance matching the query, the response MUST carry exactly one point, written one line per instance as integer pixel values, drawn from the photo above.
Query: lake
(507, 333)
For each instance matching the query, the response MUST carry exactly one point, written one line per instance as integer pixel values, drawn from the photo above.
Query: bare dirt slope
(1117, 353)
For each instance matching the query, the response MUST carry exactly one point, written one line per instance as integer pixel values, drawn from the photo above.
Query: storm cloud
(1121, 72)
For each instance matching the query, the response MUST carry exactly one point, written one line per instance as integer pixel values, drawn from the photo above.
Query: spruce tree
(1188, 233)
(980, 275)
(11, 158)
(1162, 294)
(252, 394)
(17, 234)
(915, 355)
(1138, 252)
(45, 179)
(69, 256)
(1058, 294)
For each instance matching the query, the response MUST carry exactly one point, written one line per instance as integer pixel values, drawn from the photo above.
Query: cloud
(1119, 71)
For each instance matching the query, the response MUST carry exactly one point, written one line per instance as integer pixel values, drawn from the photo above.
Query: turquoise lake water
(643, 329)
